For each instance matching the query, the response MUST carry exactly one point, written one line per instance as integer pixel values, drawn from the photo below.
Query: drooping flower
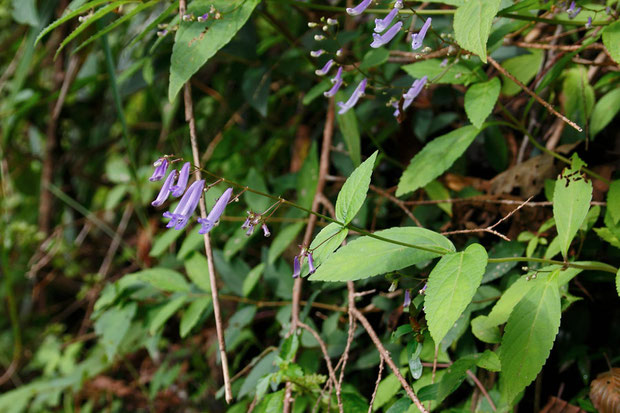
(382, 24)
(589, 23)
(411, 94)
(186, 207)
(398, 4)
(311, 263)
(357, 93)
(332, 22)
(296, 267)
(359, 9)
(161, 166)
(319, 37)
(216, 212)
(203, 18)
(407, 300)
(323, 71)
(251, 222)
(178, 188)
(337, 81)
(266, 231)
(164, 192)
(317, 53)
(382, 39)
(418, 38)
(573, 11)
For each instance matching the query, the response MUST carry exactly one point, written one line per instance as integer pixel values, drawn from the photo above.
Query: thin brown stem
(483, 390)
(374, 392)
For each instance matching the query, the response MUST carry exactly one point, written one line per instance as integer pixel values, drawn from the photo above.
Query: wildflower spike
(184, 210)
(382, 24)
(337, 81)
(216, 212)
(383, 39)
(357, 93)
(418, 38)
(164, 192)
(161, 166)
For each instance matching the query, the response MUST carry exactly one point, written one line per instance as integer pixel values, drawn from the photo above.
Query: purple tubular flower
(589, 23)
(359, 9)
(317, 53)
(218, 209)
(296, 267)
(418, 38)
(266, 232)
(572, 11)
(411, 94)
(311, 263)
(165, 189)
(161, 166)
(325, 69)
(382, 24)
(357, 93)
(337, 81)
(203, 18)
(178, 188)
(385, 38)
(398, 4)
(407, 300)
(186, 207)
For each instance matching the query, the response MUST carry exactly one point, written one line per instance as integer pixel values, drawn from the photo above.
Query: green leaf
(316, 91)
(480, 100)
(528, 337)
(489, 361)
(69, 16)
(163, 313)
(163, 241)
(25, 12)
(112, 327)
(307, 178)
(571, 201)
(613, 201)
(282, 240)
(367, 256)
(272, 403)
(192, 315)
(325, 243)
(196, 42)
(401, 406)
(164, 279)
(353, 192)
(611, 40)
(252, 278)
(347, 123)
(523, 67)
(436, 191)
(191, 243)
(435, 158)
(451, 287)
(458, 73)
(255, 180)
(578, 94)
(472, 25)
(197, 269)
(388, 387)
(604, 111)
(260, 370)
(618, 282)
(374, 57)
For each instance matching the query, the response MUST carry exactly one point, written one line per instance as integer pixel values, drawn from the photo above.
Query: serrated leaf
(347, 123)
(457, 73)
(451, 287)
(353, 193)
(604, 111)
(196, 42)
(480, 100)
(163, 313)
(528, 338)
(611, 40)
(571, 201)
(325, 243)
(367, 256)
(435, 158)
(192, 315)
(164, 279)
(197, 268)
(472, 25)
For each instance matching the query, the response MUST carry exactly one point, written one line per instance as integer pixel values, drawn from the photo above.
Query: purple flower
(359, 9)
(165, 189)
(186, 207)
(385, 38)
(203, 18)
(325, 69)
(317, 53)
(266, 232)
(337, 81)
(589, 23)
(382, 24)
(398, 4)
(423, 290)
(407, 300)
(357, 93)
(572, 11)
(178, 188)
(444, 63)
(161, 166)
(418, 38)
(296, 267)
(216, 212)
(411, 94)
(311, 263)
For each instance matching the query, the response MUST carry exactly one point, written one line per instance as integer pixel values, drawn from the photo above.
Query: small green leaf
(523, 67)
(451, 287)
(611, 40)
(388, 387)
(196, 42)
(435, 158)
(458, 73)
(192, 315)
(347, 123)
(353, 192)
(367, 256)
(163, 241)
(604, 111)
(436, 191)
(472, 25)
(325, 243)
(255, 87)
(528, 337)
(164, 279)
(571, 201)
(316, 91)
(480, 100)
(197, 269)
(163, 313)
(113, 325)
(578, 94)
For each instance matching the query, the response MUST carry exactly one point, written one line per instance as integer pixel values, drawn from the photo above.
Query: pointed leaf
(472, 25)
(192, 315)
(353, 192)
(480, 100)
(197, 269)
(611, 40)
(164, 279)
(163, 313)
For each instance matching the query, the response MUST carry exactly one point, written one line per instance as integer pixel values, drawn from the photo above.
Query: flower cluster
(298, 261)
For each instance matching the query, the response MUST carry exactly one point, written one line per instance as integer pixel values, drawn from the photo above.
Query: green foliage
(611, 40)
(480, 100)
(354, 190)
(472, 25)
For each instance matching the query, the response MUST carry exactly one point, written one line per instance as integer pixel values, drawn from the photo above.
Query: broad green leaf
(164, 279)
(374, 57)
(480, 100)
(237, 241)
(197, 269)
(25, 12)
(528, 337)
(388, 387)
(112, 327)
(472, 25)
(457, 73)
(163, 241)
(196, 42)
(192, 315)
(489, 361)
(451, 287)
(435, 158)
(353, 403)
(353, 192)
(271, 403)
(367, 256)
(282, 240)
(347, 123)
(604, 111)
(307, 177)
(578, 94)
(401, 406)
(523, 67)
(613, 201)
(571, 201)
(608, 236)
(325, 243)
(163, 313)
(611, 40)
